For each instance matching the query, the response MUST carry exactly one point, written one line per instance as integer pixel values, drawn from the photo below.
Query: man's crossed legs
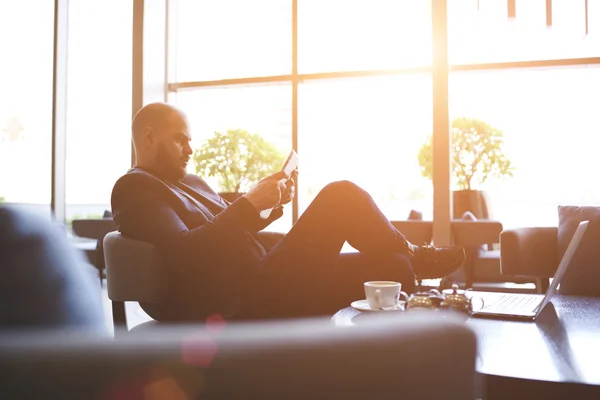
(305, 274)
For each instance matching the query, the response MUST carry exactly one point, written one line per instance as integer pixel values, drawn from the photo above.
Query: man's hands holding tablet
(290, 189)
(276, 189)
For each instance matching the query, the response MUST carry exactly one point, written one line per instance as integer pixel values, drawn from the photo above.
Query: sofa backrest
(413, 357)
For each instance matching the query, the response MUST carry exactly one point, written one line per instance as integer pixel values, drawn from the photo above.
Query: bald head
(161, 137)
(155, 116)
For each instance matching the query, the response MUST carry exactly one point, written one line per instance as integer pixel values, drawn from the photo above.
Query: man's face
(173, 147)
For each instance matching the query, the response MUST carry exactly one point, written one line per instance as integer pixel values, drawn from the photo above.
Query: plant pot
(469, 200)
(231, 196)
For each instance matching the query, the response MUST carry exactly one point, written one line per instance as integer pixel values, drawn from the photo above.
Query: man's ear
(148, 135)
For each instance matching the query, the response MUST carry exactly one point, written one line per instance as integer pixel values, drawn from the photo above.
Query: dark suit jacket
(209, 246)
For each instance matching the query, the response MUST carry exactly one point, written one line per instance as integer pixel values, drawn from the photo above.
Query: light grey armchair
(133, 273)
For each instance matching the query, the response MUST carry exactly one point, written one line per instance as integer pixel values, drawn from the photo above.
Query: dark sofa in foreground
(412, 357)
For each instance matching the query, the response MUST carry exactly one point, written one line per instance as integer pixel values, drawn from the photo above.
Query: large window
(549, 119)
(359, 91)
(232, 38)
(369, 131)
(483, 31)
(257, 110)
(98, 103)
(355, 100)
(345, 35)
(26, 103)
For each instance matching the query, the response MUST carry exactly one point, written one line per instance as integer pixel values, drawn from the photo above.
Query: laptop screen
(564, 263)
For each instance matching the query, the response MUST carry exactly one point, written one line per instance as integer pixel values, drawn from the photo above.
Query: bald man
(220, 260)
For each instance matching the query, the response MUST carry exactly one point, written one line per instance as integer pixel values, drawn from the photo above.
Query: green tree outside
(477, 154)
(238, 159)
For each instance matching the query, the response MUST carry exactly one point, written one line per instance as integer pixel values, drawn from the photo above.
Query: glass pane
(480, 31)
(216, 39)
(549, 120)
(264, 111)
(26, 104)
(368, 131)
(98, 103)
(343, 35)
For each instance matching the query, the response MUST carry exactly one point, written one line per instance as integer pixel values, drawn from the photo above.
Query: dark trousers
(305, 274)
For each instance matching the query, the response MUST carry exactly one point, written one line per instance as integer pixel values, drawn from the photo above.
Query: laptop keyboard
(514, 302)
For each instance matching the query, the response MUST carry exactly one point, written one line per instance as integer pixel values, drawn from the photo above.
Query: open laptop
(523, 305)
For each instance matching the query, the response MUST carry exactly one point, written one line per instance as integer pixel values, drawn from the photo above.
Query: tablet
(289, 166)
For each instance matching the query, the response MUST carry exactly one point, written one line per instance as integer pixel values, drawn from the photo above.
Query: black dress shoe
(431, 262)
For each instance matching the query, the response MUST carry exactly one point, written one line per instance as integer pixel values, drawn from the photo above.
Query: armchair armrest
(475, 233)
(529, 251)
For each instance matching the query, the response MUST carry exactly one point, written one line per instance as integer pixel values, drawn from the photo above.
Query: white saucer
(363, 305)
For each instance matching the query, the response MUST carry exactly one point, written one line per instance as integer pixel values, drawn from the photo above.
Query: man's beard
(171, 170)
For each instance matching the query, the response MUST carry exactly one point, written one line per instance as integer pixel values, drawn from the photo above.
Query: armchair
(133, 273)
(478, 238)
(531, 252)
(537, 251)
(95, 229)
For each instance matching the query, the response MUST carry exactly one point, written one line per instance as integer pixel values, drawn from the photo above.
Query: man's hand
(268, 192)
(288, 194)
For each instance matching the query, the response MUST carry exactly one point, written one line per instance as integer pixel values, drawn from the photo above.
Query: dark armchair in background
(531, 252)
(95, 229)
(537, 251)
(478, 238)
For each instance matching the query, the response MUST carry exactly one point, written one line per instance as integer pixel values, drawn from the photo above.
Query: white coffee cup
(383, 294)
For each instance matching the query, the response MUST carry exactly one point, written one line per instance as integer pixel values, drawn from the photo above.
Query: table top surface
(561, 345)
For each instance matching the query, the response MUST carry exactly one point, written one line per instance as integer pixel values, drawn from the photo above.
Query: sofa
(415, 357)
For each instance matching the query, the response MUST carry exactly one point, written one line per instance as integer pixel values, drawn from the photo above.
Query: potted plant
(477, 155)
(238, 159)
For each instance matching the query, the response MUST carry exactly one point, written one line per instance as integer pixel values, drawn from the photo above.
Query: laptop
(524, 305)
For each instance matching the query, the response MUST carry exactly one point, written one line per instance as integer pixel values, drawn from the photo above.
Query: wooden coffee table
(557, 356)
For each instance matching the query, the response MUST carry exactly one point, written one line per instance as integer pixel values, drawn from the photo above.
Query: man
(218, 257)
